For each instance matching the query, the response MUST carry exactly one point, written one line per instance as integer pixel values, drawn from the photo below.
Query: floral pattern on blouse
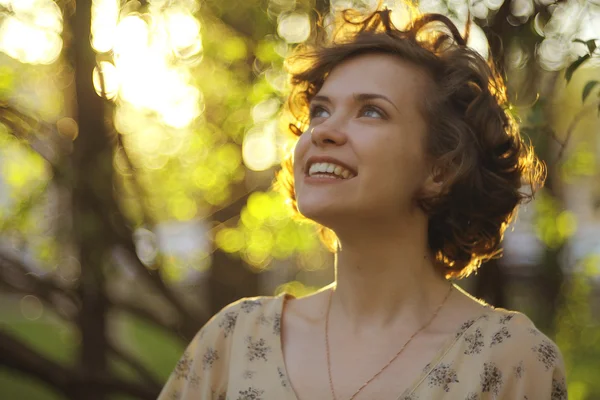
(238, 355)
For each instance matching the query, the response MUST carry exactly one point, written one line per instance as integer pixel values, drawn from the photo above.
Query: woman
(410, 163)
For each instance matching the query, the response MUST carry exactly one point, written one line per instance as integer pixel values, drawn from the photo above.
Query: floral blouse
(238, 355)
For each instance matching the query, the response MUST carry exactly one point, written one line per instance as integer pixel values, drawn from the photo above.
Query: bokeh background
(138, 143)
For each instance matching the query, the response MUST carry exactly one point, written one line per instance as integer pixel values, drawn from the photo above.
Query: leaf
(591, 44)
(571, 69)
(587, 89)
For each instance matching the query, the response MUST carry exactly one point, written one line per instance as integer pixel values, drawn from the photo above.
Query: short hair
(488, 168)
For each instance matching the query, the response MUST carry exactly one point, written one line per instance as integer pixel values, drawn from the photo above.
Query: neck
(386, 277)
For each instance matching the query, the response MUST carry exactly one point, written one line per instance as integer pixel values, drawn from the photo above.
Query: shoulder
(228, 338)
(513, 355)
(243, 312)
(503, 353)
(203, 369)
(514, 330)
(213, 346)
(505, 334)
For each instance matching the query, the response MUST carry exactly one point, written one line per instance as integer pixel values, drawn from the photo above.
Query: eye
(318, 111)
(371, 111)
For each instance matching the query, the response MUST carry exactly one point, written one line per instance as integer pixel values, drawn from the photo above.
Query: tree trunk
(92, 198)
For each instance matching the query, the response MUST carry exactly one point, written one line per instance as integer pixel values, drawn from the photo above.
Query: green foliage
(265, 231)
(266, 51)
(553, 225)
(587, 89)
(578, 333)
(50, 337)
(581, 163)
(590, 44)
(591, 47)
(573, 67)
(157, 350)
(7, 81)
(17, 386)
(14, 155)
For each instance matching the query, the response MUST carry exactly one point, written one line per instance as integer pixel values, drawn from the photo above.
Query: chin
(324, 214)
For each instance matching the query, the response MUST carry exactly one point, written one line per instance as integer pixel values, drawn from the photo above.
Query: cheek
(397, 169)
(300, 150)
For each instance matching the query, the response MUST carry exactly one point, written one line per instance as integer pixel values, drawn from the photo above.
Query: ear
(435, 181)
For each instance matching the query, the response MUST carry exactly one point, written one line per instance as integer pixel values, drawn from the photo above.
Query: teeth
(320, 168)
(328, 176)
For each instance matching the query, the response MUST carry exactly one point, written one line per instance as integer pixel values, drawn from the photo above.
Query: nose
(324, 134)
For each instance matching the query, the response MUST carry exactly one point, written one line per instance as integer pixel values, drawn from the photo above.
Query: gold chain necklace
(389, 362)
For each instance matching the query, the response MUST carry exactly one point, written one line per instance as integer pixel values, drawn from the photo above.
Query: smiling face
(363, 155)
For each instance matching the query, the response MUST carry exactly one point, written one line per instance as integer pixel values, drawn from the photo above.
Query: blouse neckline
(437, 358)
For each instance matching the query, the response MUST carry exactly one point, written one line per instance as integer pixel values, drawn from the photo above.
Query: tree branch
(136, 365)
(145, 314)
(24, 280)
(46, 300)
(189, 322)
(232, 209)
(26, 205)
(576, 120)
(21, 126)
(15, 354)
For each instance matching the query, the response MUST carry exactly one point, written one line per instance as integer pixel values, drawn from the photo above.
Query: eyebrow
(359, 97)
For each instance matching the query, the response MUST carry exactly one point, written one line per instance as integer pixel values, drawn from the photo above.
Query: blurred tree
(103, 171)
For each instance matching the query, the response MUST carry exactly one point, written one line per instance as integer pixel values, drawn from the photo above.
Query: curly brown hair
(471, 133)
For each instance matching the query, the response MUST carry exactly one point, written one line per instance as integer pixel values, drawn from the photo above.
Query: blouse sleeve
(201, 372)
(539, 372)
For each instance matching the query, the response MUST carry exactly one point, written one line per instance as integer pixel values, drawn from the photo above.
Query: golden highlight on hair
(488, 168)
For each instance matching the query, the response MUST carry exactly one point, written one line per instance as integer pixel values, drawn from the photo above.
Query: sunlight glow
(230, 240)
(145, 73)
(478, 41)
(522, 8)
(294, 28)
(182, 207)
(158, 88)
(265, 110)
(20, 6)
(402, 14)
(105, 15)
(33, 40)
(108, 75)
(133, 33)
(147, 143)
(494, 4)
(259, 149)
(569, 21)
(183, 106)
(183, 29)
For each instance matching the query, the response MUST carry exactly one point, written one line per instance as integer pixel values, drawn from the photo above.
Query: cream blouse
(238, 355)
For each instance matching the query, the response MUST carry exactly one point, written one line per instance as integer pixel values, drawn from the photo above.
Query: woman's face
(363, 155)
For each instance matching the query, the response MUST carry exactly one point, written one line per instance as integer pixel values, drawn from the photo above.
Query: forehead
(384, 74)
